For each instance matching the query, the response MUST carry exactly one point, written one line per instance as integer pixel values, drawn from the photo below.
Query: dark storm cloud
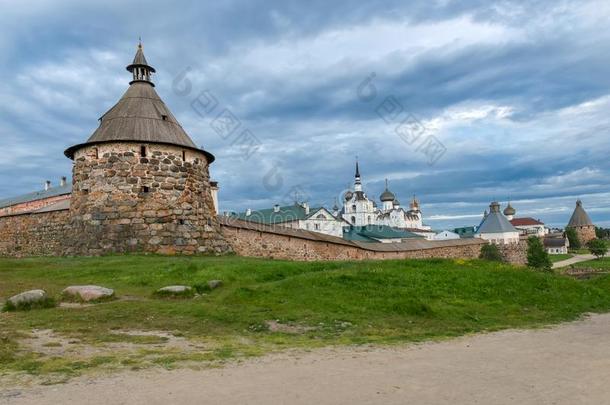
(517, 92)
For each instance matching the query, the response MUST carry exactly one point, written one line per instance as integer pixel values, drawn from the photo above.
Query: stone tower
(139, 182)
(581, 222)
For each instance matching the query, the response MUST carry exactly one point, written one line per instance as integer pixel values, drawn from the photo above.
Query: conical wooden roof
(579, 216)
(139, 116)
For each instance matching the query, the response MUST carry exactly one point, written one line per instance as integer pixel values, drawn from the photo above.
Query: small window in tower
(164, 117)
(96, 153)
(181, 222)
(184, 156)
(85, 191)
(143, 151)
(145, 189)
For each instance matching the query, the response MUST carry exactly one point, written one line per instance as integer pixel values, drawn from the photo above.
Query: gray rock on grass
(175, 289)
(212, 284)
(88, 293)
(28, 298)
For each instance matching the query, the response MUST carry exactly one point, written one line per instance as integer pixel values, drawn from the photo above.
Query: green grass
(560, 257)
(603, 264)
(332, 302)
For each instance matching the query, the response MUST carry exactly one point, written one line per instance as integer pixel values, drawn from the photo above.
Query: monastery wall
(37, 234)
(52, 234)
(256, 240)
(515, 253)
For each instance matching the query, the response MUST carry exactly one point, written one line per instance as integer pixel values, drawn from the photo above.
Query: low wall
(256, 240)
(34, 234)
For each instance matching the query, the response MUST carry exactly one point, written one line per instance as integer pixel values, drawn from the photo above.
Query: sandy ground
(567, 364)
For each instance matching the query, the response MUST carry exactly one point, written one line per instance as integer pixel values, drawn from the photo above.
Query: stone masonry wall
(50, 234)
(158, 201)
(255, 243)
(515, 253)
(585, 233)
(40, 234)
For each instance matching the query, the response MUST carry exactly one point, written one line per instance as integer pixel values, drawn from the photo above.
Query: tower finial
(140, 68)
(357, 182)
(386, 184)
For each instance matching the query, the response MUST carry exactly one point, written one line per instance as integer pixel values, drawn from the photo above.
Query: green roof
(373, 233)
(465, 231)
(285, 214)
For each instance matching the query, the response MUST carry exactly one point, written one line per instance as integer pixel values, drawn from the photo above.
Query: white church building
(359, 210)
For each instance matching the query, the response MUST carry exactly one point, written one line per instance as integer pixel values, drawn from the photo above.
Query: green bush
(491, 252)
(598, 247)
(573, 238)
(537, 257)
(201, 288)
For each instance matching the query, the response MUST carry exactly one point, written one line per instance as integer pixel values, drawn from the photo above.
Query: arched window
(353, 220)
(320, 216)
(369, 219)
(354, 207)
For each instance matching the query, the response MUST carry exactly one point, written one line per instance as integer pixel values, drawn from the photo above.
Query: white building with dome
(358, 215)
(359, 210)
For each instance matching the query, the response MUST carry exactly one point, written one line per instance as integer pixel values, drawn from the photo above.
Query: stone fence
(276, 242)
(49, 233)
(35, 234)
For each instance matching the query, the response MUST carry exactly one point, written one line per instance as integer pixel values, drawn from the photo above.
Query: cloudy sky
(458, 102)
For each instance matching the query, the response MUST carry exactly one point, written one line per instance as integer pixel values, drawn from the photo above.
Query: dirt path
(568, 364)
(573, 260)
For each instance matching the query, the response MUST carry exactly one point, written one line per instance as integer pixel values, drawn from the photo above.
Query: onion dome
(396, 203)
(414, 204)
(509, 210)
(387, 195)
